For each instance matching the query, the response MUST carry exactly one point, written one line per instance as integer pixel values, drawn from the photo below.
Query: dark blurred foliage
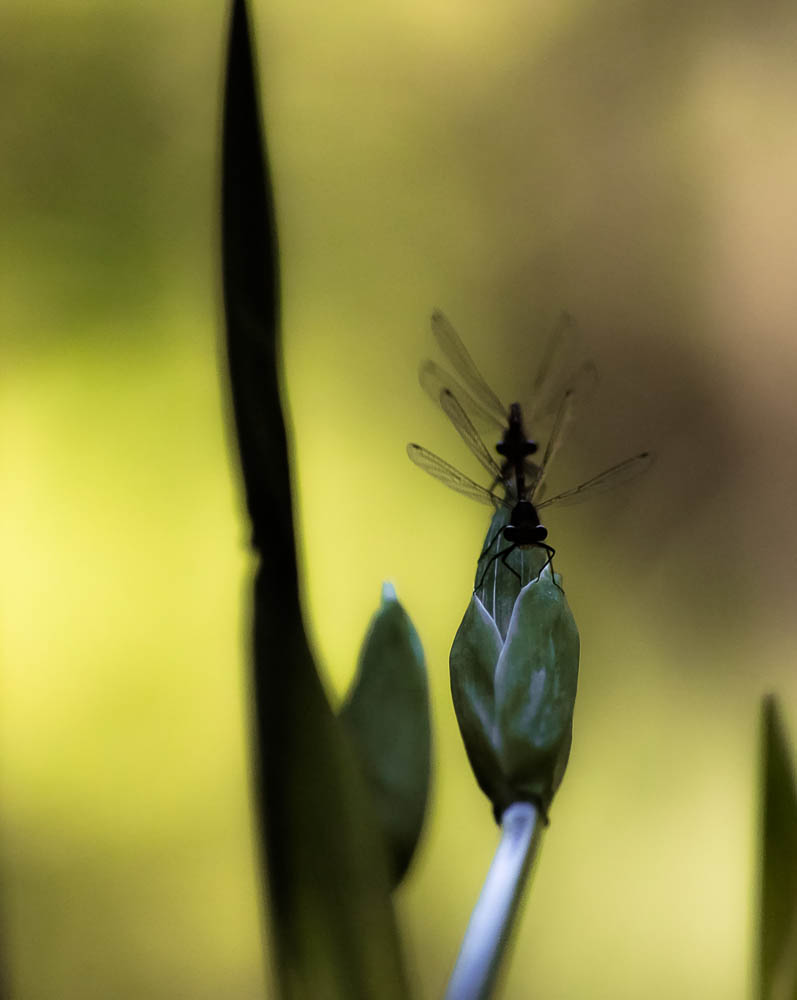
(107, 168)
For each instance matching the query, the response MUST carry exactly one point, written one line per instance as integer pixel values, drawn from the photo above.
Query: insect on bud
(514, 662)
(514, 672)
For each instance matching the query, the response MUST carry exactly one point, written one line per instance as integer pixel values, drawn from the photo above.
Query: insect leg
(488, 545)
(498, 555)
(550, 553)
(503, 560)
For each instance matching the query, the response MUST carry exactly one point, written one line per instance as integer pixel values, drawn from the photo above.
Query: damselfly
(520, 479)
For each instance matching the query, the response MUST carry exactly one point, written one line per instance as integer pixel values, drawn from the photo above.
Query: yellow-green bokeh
(633, 163)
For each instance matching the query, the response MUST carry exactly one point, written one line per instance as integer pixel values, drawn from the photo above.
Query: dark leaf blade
(778, 958)
(333, 925)
(251, 296)
(387, 715)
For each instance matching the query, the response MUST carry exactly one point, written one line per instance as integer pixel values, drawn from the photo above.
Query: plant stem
(491, 922)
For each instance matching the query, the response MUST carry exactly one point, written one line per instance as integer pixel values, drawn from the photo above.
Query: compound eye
(542, 533)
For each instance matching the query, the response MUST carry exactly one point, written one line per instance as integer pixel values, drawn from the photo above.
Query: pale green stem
(491, 922)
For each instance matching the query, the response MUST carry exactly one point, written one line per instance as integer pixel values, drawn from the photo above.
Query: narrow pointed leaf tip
(514, 674)
(250, 271)
(778, 929)
(333, 926)
(387, 715)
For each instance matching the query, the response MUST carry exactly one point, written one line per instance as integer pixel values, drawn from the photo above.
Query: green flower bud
(514, 672)
(387, 715)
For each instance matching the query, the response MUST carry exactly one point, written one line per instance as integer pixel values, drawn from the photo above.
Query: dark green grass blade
(778, 962)
(387, 714)
(251, 306)
(333, 925)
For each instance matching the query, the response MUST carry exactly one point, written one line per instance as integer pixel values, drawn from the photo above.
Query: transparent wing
(556, 376)
(452, 477)
(580, 384)
(556, 350)
(468, 433)
(456, 352)
(563, 418)
(435, 380)
(615, 476)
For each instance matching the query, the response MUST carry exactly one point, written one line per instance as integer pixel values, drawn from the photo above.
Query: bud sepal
(514, 674)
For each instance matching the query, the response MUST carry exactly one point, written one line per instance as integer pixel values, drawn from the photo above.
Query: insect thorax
(524, 526)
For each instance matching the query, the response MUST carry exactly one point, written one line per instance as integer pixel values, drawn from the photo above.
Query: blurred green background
(631, 162)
